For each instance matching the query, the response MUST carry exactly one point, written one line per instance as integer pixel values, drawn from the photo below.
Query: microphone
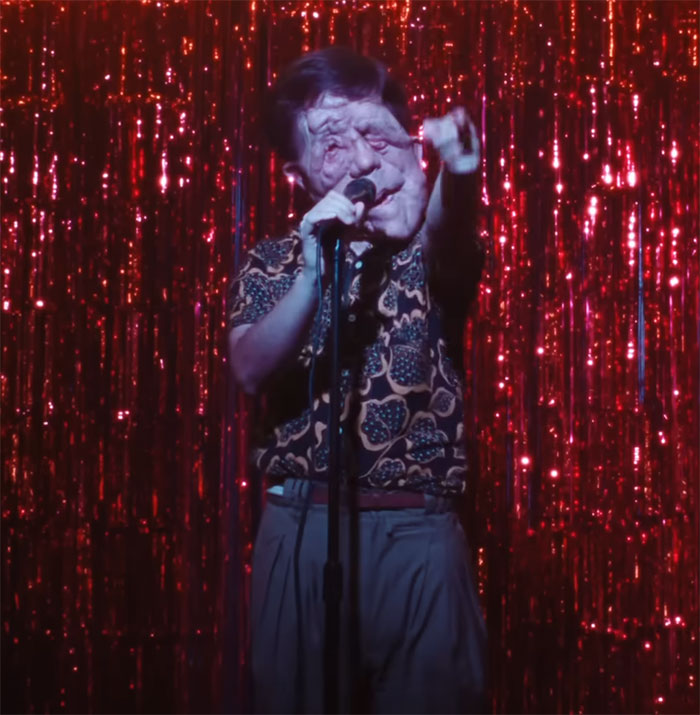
(361, 190)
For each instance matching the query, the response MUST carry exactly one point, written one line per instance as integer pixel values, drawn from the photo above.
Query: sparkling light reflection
(129, 189)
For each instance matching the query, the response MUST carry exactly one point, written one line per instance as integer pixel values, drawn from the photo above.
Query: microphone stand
(360, 189)
(333, 570)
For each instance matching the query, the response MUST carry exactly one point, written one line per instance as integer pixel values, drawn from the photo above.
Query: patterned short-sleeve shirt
(403, 404)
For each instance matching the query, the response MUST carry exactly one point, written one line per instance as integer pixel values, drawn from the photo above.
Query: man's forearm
(451, 207)
(266, 346)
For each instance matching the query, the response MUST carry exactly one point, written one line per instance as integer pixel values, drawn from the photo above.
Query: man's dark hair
(334, 69)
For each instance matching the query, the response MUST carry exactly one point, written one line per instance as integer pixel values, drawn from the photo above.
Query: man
(414, 635)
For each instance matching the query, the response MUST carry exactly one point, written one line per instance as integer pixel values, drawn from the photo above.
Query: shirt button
(358, 265)
(352, 317)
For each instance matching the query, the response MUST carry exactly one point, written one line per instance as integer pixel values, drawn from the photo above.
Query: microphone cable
(307, 497)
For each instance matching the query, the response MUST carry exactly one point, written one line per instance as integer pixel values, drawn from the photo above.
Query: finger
(426, 128)
(306, 226)
(337, 197)
(430, 129)
(352, 218)
(328, 210)
(339, 206)
(442, 131)
(334, 195)
(338, 202)
(459, 115)
(343, 214)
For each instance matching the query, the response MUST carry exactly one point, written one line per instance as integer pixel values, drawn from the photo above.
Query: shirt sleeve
(455, 264)
(265, 276)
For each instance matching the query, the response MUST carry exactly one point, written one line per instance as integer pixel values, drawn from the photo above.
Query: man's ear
(293, 171)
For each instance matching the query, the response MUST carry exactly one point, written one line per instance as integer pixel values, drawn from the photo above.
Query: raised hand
(448, 136)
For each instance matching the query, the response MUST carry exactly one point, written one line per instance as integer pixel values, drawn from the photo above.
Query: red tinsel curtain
(134, 174)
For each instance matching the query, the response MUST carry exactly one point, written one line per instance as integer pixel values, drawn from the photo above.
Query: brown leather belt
(363, 499)
(373, 498)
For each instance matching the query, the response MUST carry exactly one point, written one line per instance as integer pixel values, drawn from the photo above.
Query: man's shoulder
(276, 254)
(410, 254)
(412, 249)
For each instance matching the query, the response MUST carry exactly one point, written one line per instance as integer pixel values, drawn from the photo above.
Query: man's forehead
(332, 113)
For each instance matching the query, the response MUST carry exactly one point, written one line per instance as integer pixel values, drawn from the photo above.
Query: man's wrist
(307, 276)
(460, 163)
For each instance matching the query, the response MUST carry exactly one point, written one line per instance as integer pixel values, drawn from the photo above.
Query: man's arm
(454, 255)
(259, 350)
(449, 215)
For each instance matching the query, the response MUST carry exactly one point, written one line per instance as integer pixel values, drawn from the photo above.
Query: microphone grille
(361, 190)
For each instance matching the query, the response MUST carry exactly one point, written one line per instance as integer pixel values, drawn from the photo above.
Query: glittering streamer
(134, 174)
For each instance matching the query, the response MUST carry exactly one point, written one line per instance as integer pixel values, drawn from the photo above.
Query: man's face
(346, 139)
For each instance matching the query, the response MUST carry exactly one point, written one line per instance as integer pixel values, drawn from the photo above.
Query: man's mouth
(385, 197)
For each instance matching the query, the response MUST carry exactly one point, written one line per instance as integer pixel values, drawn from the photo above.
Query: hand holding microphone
(331, 214)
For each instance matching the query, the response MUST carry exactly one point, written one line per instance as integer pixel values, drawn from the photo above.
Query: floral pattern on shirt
(403, 402)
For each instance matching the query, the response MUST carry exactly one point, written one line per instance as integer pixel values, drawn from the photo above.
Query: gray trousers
(413, 637)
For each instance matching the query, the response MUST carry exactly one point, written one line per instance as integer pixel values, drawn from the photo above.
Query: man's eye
(377, 142)
(332, 149)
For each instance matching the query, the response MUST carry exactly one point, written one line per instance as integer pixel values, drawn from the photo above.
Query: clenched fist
(447, 135)
(331, 208)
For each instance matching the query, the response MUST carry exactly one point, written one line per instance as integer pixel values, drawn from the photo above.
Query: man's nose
(365, 158)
